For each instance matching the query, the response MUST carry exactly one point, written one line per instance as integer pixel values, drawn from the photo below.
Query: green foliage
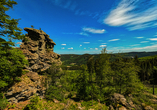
(32, 26)
(104, 73)
(55, 89)
(3, 102)
(125, 75)
(8, 26)
(11, 64)
(55, 92)
(11, 60)
(33, 103)
(82, 85)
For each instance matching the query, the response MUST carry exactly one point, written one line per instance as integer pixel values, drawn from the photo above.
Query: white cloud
(135, 49)
(144, 41)
(83, 33)
(71, 48)
(91, 48)
(134, 14)
(139, 37)
(84, 48)
(63, 48)
(96, 48)
(93, 30)
(153, 39)
(114, 40)
(86, 42)
(63, 44)
(102, 46)
(80, 45)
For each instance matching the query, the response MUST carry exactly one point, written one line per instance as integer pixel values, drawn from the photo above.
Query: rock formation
(31, 84)
(39, 50)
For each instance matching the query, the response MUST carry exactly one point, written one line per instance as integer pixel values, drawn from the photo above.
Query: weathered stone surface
(122, 108)
(31, 84)
(148, 108)
(39, 48)
(119, 99)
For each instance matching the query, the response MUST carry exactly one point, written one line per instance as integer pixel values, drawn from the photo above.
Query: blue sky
(87, 26)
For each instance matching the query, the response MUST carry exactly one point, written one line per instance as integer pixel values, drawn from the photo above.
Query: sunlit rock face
(38, 50)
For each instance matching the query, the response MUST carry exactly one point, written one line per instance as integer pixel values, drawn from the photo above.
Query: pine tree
(125, 75)
(103, 73)
(12, 61)
(8, 26)
(83, 84)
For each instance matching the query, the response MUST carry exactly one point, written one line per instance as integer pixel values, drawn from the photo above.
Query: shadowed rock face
(39, 50)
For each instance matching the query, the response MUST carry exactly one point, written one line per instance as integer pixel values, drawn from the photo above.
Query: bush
(3, 102)
(11, 64)
(33, 103)
(54, 92)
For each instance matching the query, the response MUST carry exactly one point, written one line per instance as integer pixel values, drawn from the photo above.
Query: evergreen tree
(103, 73)
(125, 76)
(82, 84)
(12, 61)
(8, 26)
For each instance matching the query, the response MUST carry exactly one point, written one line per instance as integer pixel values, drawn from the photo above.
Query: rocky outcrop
(31, 84)
(38, 49)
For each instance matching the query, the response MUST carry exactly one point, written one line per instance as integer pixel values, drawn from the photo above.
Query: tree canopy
(8, 26)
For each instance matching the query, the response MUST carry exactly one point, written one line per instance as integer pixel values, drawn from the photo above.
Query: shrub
(11, 64)
(3, 102)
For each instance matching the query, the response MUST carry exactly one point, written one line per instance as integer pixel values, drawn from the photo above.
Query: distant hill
(74, 59)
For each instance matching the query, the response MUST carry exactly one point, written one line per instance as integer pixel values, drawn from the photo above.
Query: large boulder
(38, 49)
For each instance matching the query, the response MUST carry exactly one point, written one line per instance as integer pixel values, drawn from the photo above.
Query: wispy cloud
(102, 46)
(139, 37)
(63, 48)
(83, 33)
(93, 30)
(80, 45)
(64, 44)
(134, 14)
(67, 4)
(138, 49)
(144, 41)
(71, 48)
(153, 39)
(86, 42)
(113, 40)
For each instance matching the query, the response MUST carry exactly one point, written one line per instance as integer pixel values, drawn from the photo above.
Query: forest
(89, 85)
